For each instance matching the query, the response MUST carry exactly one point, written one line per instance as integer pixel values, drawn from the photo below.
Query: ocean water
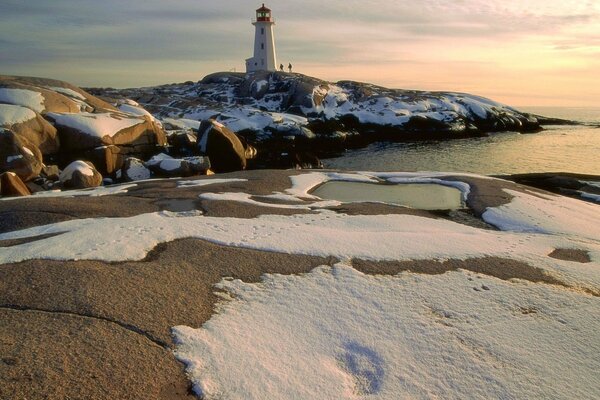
(573, 149)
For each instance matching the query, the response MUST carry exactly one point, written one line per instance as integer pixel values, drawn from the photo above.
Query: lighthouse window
(262, 31)
(262, 46)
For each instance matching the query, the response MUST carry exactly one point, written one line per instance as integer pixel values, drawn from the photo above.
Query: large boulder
(86, 131)
(30, 125)
(18, 155)
(80, 175)
(11, 185)
(106, 159)
(223, 147)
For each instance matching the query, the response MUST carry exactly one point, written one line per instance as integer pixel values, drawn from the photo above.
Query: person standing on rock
(290, 67)
(281, 67)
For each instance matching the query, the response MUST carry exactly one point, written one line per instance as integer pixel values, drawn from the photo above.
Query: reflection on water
(424, 196)
(558, 149)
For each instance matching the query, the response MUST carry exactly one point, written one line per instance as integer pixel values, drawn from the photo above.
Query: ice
(13, 114)
(97, 125)
(23, 97)
(336, 333)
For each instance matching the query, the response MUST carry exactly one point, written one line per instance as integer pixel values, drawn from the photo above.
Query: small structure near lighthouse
(265, 58)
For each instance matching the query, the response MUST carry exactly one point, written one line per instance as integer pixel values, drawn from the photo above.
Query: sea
(559, 148)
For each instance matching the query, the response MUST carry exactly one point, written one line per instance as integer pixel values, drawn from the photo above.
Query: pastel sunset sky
(529, 52)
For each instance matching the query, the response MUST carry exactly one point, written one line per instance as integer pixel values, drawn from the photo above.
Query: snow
(548, 214)
(183, 123)
(340, 334)
(97, 125)
(67, 91)
(336, 333)
(12, 114)
(137, 171)
(135, 110)
(206, 182)
(10, 159)
(92, 192)
(23, 97)
(79, 166)
(170, 164)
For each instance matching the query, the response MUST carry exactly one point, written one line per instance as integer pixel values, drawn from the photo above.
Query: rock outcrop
(18, 155)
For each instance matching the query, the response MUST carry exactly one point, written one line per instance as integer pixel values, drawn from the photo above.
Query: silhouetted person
(290, 67)
(281, 67)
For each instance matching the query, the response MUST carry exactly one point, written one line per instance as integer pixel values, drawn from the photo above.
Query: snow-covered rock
(267, 105)
(84, 131)
(31, 125)
(134, 170)
(80, 175)
(163, 165)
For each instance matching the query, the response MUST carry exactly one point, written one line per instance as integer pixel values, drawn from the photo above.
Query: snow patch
(96, 125)
(336, 333)
(206, 182)
(67, 91)
(11, 114)
(80, 166)
(23, 97)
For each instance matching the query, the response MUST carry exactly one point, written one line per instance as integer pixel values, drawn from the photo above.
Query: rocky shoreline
(54, 135)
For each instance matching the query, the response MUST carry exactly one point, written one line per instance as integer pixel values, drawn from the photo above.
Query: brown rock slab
(223, 147)
(11, 185)
(106, 159)
(47, 355)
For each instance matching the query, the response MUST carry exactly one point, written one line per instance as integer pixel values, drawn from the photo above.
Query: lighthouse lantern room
(265, 58)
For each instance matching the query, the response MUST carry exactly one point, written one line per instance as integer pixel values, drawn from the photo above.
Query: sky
(520, 52)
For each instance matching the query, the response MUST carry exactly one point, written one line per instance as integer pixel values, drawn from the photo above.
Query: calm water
(558, 149)
(416, 195)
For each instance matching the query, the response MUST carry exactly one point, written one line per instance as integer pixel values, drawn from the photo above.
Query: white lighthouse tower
(264, 58)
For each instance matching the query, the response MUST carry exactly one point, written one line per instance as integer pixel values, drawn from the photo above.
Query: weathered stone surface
(80, 175)
(18, 155)
(106, 159)
(11, 185)
(223, 147)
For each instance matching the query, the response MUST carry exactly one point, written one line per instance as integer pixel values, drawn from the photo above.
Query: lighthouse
(264, 58)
